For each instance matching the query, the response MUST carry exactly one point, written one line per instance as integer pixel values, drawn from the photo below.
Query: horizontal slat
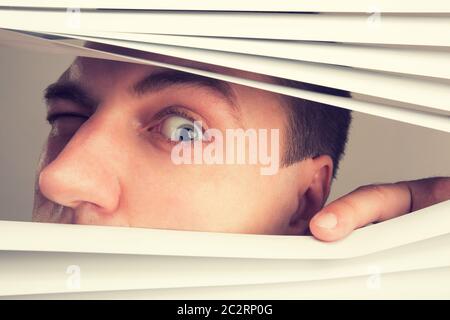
(408, 60)
(246, 5)
(424, 92)
(45, 272)
(418, 284)
(362, 28)
(416, 117)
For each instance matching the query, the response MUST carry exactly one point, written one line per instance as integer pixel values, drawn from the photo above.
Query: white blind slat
(156, 271)
(408, 60)
(384, 85)
(419, 284)
(406, 30)
(416, 117)
(245, 5)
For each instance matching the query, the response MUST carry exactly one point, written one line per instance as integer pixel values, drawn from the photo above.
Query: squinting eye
(65, 124)
(51, 119)
(177, 128)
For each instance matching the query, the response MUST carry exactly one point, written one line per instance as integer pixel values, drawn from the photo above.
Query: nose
(84, 174)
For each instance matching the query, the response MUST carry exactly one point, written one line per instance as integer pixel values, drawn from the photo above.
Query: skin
(110, 164)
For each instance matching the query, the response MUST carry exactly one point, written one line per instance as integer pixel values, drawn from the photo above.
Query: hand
(375, 203)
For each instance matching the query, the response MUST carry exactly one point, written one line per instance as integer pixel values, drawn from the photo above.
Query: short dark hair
(315, 128)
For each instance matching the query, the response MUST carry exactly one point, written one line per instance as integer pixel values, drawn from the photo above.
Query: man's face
(107, 160)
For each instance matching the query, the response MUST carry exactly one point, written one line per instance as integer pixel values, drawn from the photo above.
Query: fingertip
(327, 227)
(326, 220)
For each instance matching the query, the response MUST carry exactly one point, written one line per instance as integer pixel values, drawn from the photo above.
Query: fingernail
(327, 221)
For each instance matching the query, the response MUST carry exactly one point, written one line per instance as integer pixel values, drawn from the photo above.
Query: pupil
(186, 134)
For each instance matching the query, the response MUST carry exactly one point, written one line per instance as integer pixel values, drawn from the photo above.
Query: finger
(362, 206)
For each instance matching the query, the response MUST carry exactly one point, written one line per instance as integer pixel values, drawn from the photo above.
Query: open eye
(177, 128)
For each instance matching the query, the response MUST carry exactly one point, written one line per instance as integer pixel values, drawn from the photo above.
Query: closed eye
(51, 118)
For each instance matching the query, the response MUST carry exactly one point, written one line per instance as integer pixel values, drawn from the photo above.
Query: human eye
(65, 123)
(177, 125)
(178, 128)
(52, 119)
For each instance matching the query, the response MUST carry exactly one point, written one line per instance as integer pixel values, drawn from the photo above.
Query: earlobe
(314, 197)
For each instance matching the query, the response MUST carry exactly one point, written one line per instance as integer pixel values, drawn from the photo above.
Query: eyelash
(53, 117)
(173, 111)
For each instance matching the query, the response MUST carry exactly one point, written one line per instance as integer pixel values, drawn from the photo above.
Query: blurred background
(379, 150)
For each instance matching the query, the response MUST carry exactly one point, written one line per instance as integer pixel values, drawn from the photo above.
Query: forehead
(103, 73)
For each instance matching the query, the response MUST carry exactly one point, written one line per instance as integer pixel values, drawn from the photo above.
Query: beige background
(379, 150)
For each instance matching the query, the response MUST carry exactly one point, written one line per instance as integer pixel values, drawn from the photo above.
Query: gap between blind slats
(51, 237)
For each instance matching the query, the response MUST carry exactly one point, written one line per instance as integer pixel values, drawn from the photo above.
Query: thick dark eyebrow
(160, 80)
(71, 91)
(156, 81)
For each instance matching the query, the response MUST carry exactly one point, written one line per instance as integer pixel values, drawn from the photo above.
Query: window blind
(112, 261)
(401, 6)
(395, 51)
(399, 57)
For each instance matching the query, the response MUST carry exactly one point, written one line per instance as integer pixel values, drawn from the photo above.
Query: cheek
(194, 197)
(158, 194)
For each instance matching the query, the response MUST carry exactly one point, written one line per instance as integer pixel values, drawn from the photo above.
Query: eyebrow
(156, 81)
(161, 80)
(71, 91)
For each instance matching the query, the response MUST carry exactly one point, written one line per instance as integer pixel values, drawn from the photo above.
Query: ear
(314, 197)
